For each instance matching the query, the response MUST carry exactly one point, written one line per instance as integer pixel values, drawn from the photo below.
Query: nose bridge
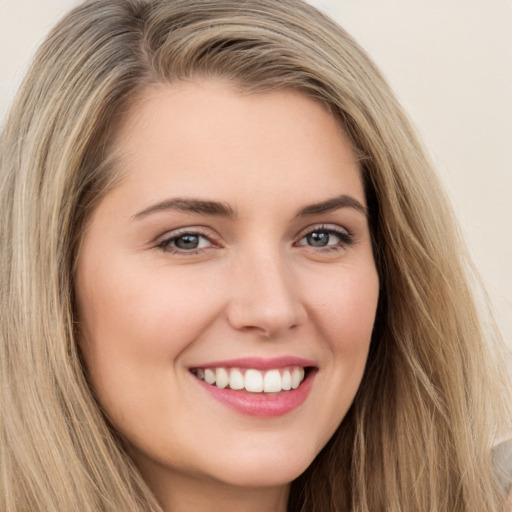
(265, 298)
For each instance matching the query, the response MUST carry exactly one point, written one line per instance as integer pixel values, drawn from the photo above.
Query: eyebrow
(199, 206)
(220, 209)
(343, 201)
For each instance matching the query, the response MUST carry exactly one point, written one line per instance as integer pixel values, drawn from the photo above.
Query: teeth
(236, 379)
(297, 377)
(221, 378)
(286, 382)
(253, 381)
(209, 376)
(272, 382)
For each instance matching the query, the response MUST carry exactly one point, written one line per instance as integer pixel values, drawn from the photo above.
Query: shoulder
(502, 455)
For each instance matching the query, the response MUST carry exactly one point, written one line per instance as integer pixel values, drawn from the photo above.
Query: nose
(265, 300)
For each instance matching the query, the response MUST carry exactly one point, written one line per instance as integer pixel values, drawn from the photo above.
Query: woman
(231, 279)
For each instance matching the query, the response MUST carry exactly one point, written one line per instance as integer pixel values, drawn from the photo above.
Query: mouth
(252, 380)
(255, 387)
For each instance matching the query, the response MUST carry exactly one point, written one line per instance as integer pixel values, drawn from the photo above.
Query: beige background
(450, 63)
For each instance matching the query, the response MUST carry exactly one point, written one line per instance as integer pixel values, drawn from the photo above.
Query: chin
(274, 470)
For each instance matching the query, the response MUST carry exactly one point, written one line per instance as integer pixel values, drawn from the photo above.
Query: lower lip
(263, 405)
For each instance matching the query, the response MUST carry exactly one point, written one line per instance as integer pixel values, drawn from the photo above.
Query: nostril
(266, 320)
(255, 329)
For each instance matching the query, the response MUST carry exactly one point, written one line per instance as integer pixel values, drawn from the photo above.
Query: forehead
(204, 136)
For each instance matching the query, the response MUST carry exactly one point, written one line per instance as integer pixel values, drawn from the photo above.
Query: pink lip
(262, 405)
(259, 363)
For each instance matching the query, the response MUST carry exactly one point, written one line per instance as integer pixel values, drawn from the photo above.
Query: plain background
(450, 64)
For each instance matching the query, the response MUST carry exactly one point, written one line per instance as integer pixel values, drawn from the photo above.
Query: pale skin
(239, 229)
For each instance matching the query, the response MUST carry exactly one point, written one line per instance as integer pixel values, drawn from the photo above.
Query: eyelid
(323, 227)
(195, 229)
(163, 242)
(345, 236)
(169, 236)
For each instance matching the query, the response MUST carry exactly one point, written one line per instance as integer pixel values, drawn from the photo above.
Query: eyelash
(345, 240)
(165, 245)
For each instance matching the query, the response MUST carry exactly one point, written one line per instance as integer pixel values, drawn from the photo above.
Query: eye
(185, 242)
(326, 237)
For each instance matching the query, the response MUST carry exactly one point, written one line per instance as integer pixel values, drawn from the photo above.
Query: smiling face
(234, 253)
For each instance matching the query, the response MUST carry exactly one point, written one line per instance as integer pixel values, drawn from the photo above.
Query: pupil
(187, 242)
(318, 239)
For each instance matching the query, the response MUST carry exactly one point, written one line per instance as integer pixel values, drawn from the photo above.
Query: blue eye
(325, 238)
(318, 238)
(185, 242)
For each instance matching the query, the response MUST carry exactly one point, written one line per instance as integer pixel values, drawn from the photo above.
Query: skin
(255, 287)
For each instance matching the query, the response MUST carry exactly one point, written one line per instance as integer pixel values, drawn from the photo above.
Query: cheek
(344, 312)
(135, 325)
(132, 316)
(344, 306)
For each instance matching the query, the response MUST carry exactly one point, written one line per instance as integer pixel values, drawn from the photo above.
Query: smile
(264, 388)
(252, 380)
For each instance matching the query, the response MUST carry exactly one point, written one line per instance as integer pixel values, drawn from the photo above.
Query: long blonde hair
(432, 402)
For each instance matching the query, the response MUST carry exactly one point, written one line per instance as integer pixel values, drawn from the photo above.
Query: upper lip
(259, 363)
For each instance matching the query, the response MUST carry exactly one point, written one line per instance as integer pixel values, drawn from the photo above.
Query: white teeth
(286, 381)
(297, 377)
(209, 376)
(272, 382)
(221, 378)
(236, 379)
(253, 381)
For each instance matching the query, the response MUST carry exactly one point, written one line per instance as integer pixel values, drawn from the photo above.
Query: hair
(432, 402)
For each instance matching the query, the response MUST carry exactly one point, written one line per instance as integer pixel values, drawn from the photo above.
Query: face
(226, 289)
